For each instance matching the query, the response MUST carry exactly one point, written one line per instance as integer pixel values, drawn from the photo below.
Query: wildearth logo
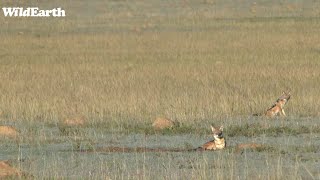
(32, 12)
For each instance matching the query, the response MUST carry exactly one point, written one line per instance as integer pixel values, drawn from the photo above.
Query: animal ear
(286, 92)
(221, 128)
(213, 129)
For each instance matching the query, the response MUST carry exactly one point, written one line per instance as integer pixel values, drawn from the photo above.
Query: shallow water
(46, 152)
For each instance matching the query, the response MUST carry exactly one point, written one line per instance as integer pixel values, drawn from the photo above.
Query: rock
(251, 146)
(7, 171)
(75, 121)
(8, 131)
(163, 123)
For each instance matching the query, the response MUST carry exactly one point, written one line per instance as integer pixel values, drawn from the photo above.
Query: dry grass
(185, 65)
(236, 70)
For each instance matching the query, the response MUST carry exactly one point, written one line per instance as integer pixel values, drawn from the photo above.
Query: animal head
(285, 95)
(284, 98)
(217, 132)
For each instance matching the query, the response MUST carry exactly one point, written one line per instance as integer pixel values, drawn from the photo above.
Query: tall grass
(233, 68)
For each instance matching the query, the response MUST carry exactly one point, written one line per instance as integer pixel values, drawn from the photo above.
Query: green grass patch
(251, 130)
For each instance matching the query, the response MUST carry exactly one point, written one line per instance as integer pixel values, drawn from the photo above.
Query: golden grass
(236, 70)
(187, 68)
